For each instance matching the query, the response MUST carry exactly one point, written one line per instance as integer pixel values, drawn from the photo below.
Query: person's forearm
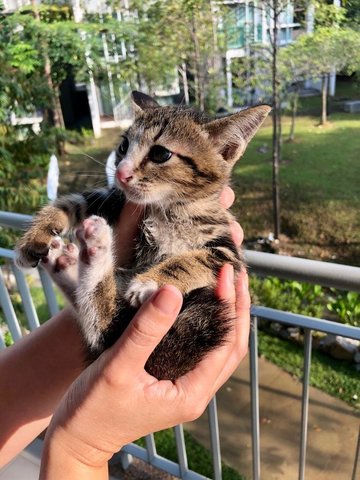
(34, 375)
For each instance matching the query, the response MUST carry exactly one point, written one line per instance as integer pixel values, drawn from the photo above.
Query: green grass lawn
(319, 188)
(199, 458)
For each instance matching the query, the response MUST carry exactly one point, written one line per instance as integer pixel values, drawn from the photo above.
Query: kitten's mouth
(137, 193)
(143, 194)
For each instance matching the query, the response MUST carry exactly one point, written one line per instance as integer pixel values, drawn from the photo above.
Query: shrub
(346, 305)
(288, 295)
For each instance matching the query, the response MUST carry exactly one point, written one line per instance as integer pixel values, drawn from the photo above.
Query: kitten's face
(166, 156)
(171, 154)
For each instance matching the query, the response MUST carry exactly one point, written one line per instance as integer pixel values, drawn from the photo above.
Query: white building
(248, 23)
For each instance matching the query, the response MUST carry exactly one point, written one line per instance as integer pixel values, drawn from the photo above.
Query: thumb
(126, 231)
(147, 328)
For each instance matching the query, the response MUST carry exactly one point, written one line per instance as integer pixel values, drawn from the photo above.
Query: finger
(225, 289)
(241, 329)
(227, 197)
(126, 231)
(147, 328)
(237, 233)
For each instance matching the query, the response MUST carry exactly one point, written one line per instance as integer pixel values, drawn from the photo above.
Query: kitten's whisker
(95, 194)
(111, 192)
(89, 156)
(88, 175)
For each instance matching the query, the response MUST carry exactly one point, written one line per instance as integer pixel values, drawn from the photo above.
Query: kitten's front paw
(28, 253)
(139, 291)
(62, 259)
(95, 238)
(35, 243)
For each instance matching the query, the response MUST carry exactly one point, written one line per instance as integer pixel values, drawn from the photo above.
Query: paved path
(332, 434)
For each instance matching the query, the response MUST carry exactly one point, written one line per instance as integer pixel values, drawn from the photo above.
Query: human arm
(116, 401)
(36, 372)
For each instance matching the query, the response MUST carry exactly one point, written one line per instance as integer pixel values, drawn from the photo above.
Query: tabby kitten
(175, 162)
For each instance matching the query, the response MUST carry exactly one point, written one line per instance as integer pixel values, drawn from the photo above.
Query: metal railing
(327, 274)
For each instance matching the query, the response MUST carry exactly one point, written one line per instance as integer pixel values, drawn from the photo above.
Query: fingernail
(167, 299)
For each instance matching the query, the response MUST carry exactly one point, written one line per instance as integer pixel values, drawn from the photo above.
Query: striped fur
(185, 237)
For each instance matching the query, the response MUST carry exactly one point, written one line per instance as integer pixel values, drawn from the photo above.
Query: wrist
(67, 457)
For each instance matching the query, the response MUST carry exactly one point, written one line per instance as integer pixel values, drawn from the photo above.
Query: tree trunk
(53, 114)
(183, 73)
(294, 107)
(198, 80)
(276, 126)
(324, 89)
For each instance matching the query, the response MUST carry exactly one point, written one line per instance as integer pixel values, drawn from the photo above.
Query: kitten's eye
(123, 147)
(159, 154)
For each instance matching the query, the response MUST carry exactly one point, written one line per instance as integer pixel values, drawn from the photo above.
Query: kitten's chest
(168, 238)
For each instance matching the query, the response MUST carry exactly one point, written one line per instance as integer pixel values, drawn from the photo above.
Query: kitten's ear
(142, 102)
(232, 134)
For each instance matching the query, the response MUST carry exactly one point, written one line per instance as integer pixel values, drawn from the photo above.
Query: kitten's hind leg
(61, 264)
(96, 292)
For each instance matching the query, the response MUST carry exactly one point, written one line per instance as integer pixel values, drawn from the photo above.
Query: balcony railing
(326, 274)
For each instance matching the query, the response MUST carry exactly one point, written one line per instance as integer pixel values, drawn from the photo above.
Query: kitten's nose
(124, 175)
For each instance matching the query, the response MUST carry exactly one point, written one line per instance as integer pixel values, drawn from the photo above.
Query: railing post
(150, 447)
(356, 461)
(27, 301)
(181, 450)
(254, 395)
(305, 402)
(48, 291)
(215, 439)
(8, 309)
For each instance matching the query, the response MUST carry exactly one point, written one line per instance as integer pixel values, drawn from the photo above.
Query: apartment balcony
(262, 421)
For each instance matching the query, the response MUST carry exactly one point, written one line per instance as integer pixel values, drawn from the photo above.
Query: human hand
(116, 401)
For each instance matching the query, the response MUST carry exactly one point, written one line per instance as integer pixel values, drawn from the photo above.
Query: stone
(352, 106)
(357, 357)
(340, 347)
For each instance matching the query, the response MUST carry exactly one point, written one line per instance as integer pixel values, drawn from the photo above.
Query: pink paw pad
(94, 236)
(61, 256)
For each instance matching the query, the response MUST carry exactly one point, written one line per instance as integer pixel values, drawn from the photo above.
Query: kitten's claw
(139, 291)
(61, 264)
(29, 255)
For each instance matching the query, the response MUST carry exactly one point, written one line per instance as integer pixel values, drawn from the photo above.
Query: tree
(24, 89)
(331, 49)
(261, 72)
(180, 35)
(294, 68)
(274, 9)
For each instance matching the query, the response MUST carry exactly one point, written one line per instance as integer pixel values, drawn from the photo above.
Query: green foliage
(306, 299)
(288, 295)
(23, 170)
(328, 15)
(336, 377)
(352, 11)
(8, 339)
(24, 57)
(199, 458)
(346, 305)
(331, 48)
